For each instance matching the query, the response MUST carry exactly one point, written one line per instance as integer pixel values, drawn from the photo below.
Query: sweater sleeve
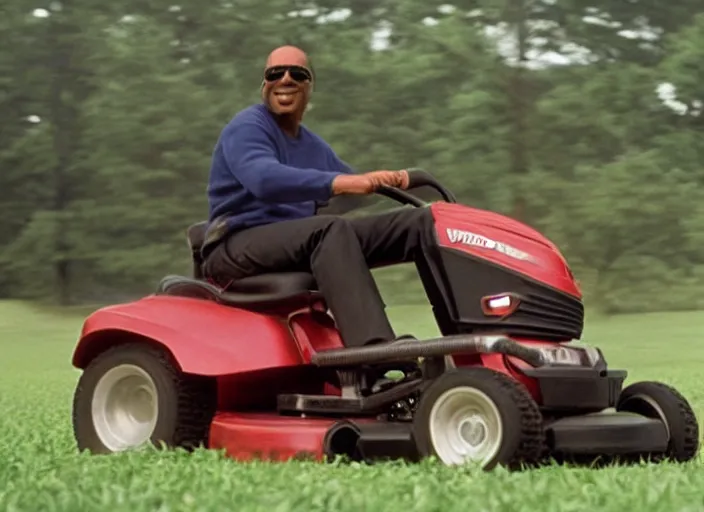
(341, 165)
(252, 159)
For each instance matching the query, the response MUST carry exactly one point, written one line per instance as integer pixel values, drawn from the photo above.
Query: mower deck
(251, 436)
(323, 426)
(248, 436)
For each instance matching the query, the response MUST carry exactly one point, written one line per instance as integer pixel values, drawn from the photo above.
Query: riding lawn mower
(257, 368)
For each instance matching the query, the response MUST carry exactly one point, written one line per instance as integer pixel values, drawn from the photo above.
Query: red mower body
(212, 339)
(496, 285)
(205, 337)
(504, 242)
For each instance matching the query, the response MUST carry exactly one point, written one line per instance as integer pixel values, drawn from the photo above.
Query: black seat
(266, 292)
(261, 292)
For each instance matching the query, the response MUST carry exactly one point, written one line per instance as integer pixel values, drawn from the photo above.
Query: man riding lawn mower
(275, 347)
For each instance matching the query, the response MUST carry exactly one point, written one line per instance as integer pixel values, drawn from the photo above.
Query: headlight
(570, 355)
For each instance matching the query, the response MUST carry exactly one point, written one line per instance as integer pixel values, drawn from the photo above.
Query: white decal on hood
(458, 236)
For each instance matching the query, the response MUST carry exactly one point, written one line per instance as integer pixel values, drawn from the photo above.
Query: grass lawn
(40, 469)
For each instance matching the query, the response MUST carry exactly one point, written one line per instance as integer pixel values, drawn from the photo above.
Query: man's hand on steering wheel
(370, 182)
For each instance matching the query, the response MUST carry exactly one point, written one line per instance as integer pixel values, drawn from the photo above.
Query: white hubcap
(465, 426)
(125, 407)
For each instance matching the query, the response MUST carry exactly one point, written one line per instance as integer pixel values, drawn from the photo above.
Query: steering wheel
(416, 178)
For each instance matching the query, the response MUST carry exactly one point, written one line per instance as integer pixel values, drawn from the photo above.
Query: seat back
(195, 235)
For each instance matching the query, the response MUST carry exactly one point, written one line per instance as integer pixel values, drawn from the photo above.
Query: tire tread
(689, 425)
(196, 398)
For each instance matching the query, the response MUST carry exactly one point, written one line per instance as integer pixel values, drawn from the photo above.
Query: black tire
(647, 397)
(522, 441)
(186, 404)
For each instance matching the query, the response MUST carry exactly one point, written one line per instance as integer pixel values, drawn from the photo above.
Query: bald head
(287, 56)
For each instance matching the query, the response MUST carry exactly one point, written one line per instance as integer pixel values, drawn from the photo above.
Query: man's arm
(340, 204)
(349, 182)
(252, 160)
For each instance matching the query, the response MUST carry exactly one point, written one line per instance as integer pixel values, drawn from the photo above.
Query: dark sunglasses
(297, 73)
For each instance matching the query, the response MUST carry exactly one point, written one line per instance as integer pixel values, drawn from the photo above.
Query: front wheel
(133, 395)
(660, 401)
(481, 416)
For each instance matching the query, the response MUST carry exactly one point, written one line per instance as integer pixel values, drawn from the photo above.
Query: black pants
(339, 252)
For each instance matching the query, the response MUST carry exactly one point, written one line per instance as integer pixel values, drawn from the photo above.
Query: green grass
(40, 469)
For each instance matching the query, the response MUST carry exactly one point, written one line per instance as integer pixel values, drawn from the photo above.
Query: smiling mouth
(285, 96)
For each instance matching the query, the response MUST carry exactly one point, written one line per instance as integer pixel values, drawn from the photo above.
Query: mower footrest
(607, 433)
(335, 405)
(319, 404)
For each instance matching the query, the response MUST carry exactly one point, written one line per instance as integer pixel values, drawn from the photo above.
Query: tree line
(579, 118)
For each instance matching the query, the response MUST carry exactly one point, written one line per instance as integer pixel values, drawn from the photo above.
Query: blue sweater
(261, 175)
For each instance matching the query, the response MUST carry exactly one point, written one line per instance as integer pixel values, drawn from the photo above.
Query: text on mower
(465, 237)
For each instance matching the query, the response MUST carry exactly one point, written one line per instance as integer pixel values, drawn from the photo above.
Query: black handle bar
(421, 178)
(416, 178)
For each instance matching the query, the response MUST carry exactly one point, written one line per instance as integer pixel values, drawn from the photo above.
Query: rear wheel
(477, 415)
(658, 400)
(133, 395)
